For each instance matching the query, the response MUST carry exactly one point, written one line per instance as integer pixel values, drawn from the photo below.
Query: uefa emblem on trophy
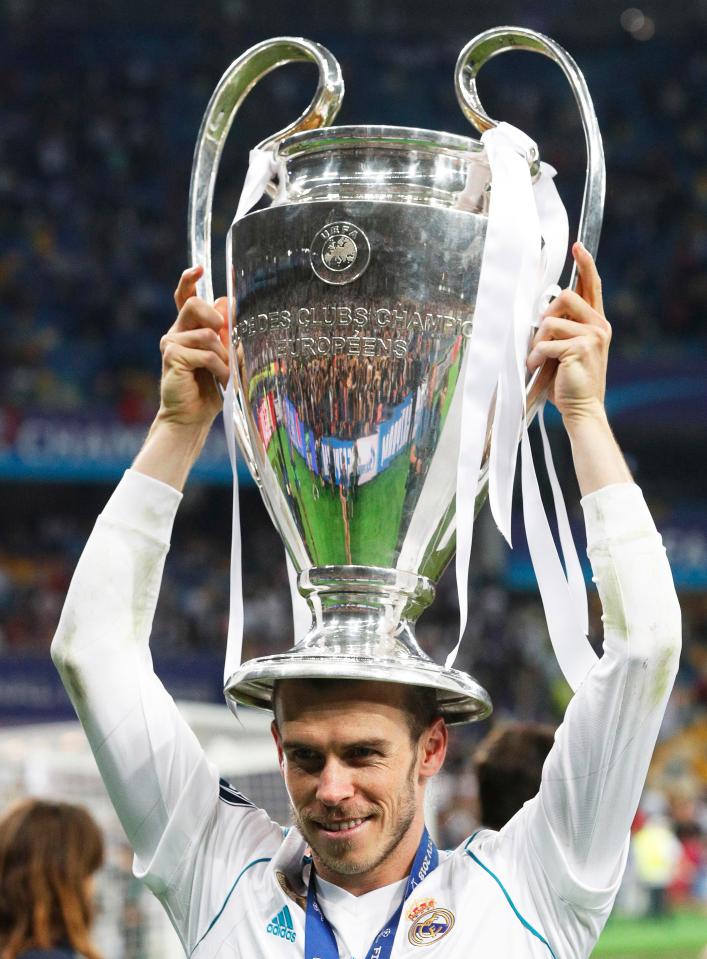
(339, 252)
(361, 306)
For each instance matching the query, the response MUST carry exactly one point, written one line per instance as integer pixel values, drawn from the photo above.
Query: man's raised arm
(594, 775)
(193, 355)
(574, 337)
(146, 754)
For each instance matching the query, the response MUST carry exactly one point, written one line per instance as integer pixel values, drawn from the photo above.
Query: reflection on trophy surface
(350, 362)
(352, 305)
(353, 317)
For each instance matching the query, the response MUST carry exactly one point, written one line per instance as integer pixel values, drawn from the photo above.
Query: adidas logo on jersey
(281, 926)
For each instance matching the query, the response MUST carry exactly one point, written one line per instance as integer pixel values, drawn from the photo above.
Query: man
(358, 875)
(508, 764)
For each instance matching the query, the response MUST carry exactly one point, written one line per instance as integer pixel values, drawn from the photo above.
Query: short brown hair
(419, 702)
(48, 850)
(421, 709)
(508, 763)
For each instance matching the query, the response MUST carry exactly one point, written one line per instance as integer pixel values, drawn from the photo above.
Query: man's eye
(363, 752)
(304, 756)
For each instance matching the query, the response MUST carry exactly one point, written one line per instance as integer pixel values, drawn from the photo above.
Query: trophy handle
(232, 89)
(500, 39)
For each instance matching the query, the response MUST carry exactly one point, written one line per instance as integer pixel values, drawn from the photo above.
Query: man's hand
(574, 336)
(193, 353)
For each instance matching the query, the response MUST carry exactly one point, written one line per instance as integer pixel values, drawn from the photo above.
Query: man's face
(354, 776)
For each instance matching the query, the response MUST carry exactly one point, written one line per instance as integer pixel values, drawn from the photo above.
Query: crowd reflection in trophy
(347, 419)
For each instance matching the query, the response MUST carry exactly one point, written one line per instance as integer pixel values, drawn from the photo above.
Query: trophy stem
(363, 629)
(363, 610)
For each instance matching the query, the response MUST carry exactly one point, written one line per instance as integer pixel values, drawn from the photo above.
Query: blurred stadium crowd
(96, 141)
(93, 187)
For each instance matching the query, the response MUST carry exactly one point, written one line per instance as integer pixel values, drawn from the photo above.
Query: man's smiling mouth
(341, 826)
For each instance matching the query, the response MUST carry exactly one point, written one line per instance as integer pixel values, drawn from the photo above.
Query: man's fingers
(555, 350)
(545, 377)
(221, 306)
(176, 355)
(195, 314)
(571, 306)
(187, 285)
(558, 328)
(589, 279)
(202, 339)
(578, 288)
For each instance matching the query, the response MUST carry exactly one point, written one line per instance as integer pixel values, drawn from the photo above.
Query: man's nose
(335, 783)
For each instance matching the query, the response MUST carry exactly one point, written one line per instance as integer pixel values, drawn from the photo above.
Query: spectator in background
(508, 765)
(49, 852)
(657, 853)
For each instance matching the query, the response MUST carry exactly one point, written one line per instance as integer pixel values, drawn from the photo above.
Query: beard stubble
(335, 857)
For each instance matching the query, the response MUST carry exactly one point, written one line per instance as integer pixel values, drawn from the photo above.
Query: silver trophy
(353, 296)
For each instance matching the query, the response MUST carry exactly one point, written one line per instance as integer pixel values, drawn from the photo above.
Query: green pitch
(373, 514)
(683, 936)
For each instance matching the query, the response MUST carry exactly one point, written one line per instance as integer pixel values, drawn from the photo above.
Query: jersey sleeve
(163, 788)
(578, 826)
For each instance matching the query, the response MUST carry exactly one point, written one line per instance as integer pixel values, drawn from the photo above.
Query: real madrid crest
(339, 252)
(430, 922)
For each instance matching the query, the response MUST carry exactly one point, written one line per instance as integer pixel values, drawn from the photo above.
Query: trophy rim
(383, 136)
(460, 698)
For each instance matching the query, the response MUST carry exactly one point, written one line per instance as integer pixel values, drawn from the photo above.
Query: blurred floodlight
(635, 22)
(647, 30)
(632, 19)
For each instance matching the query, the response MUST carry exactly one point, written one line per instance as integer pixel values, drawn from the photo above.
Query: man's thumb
(221, 305)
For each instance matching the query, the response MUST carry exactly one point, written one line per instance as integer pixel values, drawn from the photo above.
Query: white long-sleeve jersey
(232, 880)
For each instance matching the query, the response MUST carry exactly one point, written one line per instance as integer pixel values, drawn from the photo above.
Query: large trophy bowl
(352, 301)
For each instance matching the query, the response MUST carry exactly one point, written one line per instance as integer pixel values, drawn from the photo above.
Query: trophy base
(461, 699)
(362, 629)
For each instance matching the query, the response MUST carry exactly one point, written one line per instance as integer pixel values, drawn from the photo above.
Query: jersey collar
(290, 868)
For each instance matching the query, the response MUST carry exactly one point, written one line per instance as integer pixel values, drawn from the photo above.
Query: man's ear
(433, 748)
(278, 745)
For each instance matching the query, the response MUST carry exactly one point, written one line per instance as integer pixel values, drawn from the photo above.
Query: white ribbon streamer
(261, 170)
(553, 226)
(510, 396)
(507, 239)
(575, 576)
(234, 638)
(564, 622)
(537, 280)
(530, 278)
(563, 594)
(301, 613)
(234, 641)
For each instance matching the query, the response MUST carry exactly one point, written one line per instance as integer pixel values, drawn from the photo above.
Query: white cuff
(143, 504)
(616, 513)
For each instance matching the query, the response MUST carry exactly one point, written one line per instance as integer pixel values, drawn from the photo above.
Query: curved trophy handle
(500, 39)
(233, 87)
